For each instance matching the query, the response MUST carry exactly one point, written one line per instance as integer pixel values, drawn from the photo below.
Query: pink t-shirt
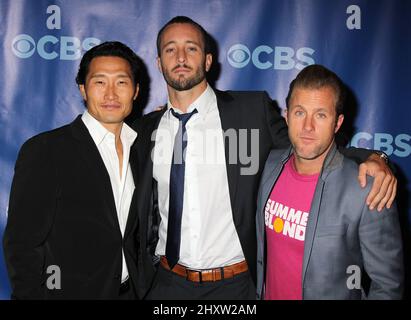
(286, 216)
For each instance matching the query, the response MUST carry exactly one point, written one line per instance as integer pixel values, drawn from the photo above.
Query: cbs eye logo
(23, 46)
(50, 47)
(239, 56)
(265, 57)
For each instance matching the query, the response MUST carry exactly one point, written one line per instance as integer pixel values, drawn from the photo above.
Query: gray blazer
(341, 232)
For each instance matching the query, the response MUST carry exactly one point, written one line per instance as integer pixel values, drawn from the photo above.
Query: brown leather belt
(206, 275)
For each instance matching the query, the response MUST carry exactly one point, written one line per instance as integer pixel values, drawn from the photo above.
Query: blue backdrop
(261, 45)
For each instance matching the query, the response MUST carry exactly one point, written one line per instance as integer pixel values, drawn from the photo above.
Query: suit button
(117, 277)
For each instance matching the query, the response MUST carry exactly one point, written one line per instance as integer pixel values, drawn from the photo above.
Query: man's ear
(159, 65)
(286, 115)
(137, 90)
(208, 61)
(340, 121)
(83, 91)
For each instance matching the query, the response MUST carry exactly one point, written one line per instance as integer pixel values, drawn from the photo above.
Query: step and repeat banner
(259, 45)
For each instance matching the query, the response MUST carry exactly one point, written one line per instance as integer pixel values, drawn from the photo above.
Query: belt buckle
(215, 272)
(190, 271)
(222, 273)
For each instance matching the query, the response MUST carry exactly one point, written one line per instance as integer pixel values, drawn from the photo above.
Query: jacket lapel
(95, 165)
(333, 160)
(141, 165)
(131, 219)
(311, 227)
(229, 122)
(268, 180)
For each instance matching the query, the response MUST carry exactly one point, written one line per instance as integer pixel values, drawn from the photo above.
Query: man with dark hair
(69, 229)
(183, 19)
(324, 243)
(198, 178)
(110, 49)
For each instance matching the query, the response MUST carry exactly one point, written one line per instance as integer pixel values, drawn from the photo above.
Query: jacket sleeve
(360, 155)
(381, 248)
(31, 208)
(276, 124)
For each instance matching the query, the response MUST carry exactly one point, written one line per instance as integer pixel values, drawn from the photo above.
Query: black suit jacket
(62, 212)
(238, 110)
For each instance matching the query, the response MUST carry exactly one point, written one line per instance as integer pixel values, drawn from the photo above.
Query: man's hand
(384, 188)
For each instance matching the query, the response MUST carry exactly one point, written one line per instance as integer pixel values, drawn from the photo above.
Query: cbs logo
(399, 145)
(265, 57)
(68, 48)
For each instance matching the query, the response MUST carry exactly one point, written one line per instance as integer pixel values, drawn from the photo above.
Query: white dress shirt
(208, 235)
(122, 186)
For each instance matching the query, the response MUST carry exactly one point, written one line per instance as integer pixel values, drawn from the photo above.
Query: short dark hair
(316, 76)
(184, 19)
(110, 49)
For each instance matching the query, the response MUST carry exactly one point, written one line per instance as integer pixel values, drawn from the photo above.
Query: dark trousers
(169, 286)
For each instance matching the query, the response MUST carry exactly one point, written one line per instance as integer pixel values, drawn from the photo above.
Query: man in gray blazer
(325, 243)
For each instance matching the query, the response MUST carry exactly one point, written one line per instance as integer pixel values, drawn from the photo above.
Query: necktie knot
(183, 117)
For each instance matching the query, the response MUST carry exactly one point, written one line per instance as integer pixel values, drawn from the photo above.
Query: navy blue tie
(176, 195)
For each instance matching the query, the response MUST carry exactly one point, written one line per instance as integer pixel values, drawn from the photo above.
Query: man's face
(311, 120)
(183, 61)
(109, 90)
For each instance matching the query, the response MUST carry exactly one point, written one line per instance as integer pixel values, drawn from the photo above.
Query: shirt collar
(204, 103)
(128, 134)
(99, 133)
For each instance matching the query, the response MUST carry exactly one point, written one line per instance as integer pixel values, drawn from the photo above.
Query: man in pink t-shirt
(286, 220)
(316, 238)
